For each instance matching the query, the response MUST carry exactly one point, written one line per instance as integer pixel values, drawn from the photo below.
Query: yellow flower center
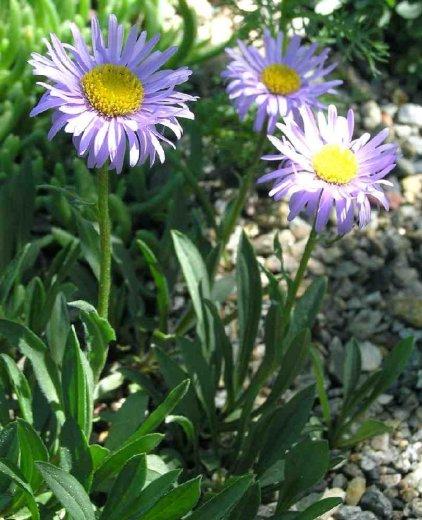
(113, 90)
(280, 79)
(335, 164)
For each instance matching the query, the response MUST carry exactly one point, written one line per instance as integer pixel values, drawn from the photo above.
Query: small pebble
(355, 490)
(373, 500)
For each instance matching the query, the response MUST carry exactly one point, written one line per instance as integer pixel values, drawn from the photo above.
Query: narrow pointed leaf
(68, 491)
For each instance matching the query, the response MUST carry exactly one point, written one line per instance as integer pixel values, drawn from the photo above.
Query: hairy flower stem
(105, 242)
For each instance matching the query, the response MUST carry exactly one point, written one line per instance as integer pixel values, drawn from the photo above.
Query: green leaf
(165, 408)
(175, 504)
(316, 510)
(272, 475)
(392, 367)
(185, 424)
(99, 334)
(366, 430)
(77, 384)
(35, 350)
(113, 463)
(305, 464)
(195, 273)
(90, 243)
(127, 419)
(286, 425)
(190, 28)
(20, 386)
(224, 349)
(15, 269)
(217, 507)
(163, 294)
(306, 308)
(14, 473)
(153, 492)
(57, 329)
(174, 375)
(98, 455)
(202, 373)
(78, 452)
(68, 491)
(248, 506)
(249, 301)
(352, 368)
(9, 451)
(318, 369)
(291, 364)
(32, 449)
(126, 489)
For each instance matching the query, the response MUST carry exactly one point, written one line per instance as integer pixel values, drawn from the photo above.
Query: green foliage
(204, 430)
(351, 426)
(59, 456)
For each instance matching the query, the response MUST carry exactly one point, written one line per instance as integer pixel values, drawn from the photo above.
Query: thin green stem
(105, 242)
(228, 225)
(292, 292)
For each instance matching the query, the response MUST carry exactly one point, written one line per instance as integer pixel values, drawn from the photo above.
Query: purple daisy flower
(278, 81)
(113, 98)
(323, 168)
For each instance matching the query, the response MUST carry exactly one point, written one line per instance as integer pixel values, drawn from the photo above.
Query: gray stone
(372, 116)
(381, 442)
(339, 481)
(409, 309)
(352, 470)
(405, 167)
(410, 114)
(365, 323)
(403, 131)
(414, 144)
(417, 507)
(371, 356)
(390, 481)
(367, 463)
(353, 513)
(373, 500)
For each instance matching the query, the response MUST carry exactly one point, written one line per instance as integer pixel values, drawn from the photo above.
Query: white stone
(410, 114)
(371, 356)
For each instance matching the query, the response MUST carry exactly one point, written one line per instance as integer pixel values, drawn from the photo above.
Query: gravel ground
(375, 295)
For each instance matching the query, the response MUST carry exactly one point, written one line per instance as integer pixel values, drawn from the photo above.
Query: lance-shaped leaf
(68, 491)
(14, 473)
(305, 464)
(99, 335)
(195, 273)
(249, 301)
(114, 462)
(35, 350)
(126, 489)
(77, 384)
(175, 504)
(217, 507)
(20, 386)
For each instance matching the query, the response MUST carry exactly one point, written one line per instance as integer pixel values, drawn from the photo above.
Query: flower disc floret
(335, 164)
(280, 79)
(113, 90)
